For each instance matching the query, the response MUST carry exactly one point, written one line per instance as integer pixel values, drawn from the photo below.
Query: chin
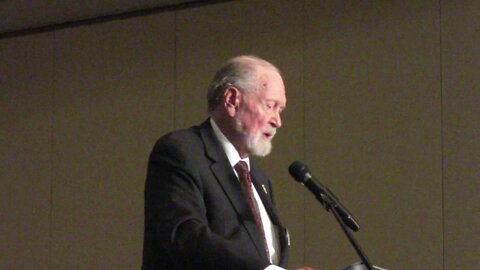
(261, 150)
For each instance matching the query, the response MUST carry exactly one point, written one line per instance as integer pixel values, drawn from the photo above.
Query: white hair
(241, 72)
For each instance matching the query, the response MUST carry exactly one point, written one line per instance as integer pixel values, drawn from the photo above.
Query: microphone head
(299, 171)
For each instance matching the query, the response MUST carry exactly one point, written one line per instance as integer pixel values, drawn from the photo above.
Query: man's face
(259, 114)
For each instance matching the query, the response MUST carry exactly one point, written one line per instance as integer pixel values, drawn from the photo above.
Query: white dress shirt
(271, 231)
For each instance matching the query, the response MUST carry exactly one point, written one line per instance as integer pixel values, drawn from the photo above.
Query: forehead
(271, 86)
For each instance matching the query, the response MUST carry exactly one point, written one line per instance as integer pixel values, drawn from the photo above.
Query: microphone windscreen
(298, 170)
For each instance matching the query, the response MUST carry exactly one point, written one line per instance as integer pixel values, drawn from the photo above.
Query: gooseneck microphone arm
(353, 241)
(330, 202)
(302, 174)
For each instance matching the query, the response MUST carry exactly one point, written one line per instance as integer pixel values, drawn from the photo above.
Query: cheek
(254, 120)
(261, 122)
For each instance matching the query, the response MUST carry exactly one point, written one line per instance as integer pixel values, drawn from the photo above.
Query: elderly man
(207, 204)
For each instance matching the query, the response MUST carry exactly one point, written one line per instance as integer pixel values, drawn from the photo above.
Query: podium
(361, 266)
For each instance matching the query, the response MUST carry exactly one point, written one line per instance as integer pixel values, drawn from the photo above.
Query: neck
(227, 127)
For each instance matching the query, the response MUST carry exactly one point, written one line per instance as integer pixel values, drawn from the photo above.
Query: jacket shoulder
(179, 144)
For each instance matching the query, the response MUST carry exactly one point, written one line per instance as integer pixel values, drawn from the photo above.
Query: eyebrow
(277, 104)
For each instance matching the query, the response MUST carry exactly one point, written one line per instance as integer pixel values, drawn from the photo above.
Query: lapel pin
(264, 189)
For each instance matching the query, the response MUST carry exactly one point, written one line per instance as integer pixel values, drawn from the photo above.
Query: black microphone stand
(332, 205)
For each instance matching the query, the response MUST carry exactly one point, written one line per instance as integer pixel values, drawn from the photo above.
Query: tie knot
(241, 167)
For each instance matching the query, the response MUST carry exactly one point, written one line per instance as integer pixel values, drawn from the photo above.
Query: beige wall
(383, 105)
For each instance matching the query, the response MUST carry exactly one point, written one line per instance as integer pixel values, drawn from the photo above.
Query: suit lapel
(227, 179)
(260, 181)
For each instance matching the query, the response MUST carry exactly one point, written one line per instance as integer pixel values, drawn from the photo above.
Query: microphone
(301, 173)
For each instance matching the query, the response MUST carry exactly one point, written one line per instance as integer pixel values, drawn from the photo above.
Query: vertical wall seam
(442, 130)
(52, 145)
(174, 95)
(304, 42)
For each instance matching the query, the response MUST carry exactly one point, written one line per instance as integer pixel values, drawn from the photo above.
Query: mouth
(268, 134)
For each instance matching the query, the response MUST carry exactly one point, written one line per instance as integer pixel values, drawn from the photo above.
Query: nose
(276, 120)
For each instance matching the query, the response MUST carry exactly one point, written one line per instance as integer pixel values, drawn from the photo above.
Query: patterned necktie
(245, 179)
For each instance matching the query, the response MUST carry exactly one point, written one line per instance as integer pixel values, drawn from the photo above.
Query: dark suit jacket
(196, 216)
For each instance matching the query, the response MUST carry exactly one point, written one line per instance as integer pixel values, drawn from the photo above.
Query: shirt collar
(232, 153)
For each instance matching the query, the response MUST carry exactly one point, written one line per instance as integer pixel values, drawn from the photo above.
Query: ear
(231, 100)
